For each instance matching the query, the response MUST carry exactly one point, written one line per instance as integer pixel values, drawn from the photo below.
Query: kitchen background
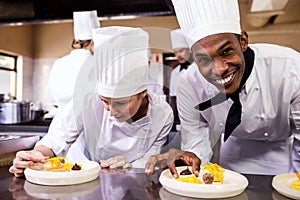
(37, 42)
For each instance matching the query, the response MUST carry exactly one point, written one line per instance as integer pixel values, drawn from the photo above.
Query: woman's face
(182, 54)
(123, 109)
(221, 61)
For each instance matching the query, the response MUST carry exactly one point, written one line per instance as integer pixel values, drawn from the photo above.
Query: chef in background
(112, 119)
(183, 55)
(246, 94)
(64, 71)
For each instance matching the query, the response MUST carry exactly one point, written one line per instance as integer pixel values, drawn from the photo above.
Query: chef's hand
(25, 159)
(115, 162)
(170, 157)
(190, 159)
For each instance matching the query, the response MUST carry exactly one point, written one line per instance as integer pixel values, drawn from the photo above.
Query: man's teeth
(225, 80)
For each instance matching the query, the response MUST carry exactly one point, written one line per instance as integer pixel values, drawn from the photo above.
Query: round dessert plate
(282, 183)
(90, 171)
(234, 184)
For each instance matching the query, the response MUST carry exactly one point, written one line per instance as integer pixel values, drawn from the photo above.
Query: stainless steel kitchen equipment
(37, 114)
(14, 112)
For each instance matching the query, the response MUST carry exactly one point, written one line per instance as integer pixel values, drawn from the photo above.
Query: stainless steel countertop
(121, 185)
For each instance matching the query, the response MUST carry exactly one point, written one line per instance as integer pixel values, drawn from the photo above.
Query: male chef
(249, 95)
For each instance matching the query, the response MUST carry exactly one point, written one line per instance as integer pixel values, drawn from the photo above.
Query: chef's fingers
(151, 162)
(171, 157)
(173, 170)
(119, 163)
(192, 160)
(32, 155)
(18, 172)
(196, 167)
(114, 162)
(19, 166)
(104, 164)
(21, 163)
(37, 156)
(127, 165)
(107, 163)
(25, 159)
(22, 155)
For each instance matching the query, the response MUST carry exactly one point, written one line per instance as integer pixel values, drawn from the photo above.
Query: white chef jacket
(173, 80)
(105, 137)
(156, 78)
(267, 140)
(63, 76)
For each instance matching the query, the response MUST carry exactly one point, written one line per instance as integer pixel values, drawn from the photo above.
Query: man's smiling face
(221, 61)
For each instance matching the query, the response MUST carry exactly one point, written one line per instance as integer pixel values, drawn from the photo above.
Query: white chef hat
(121, 55)
(201, 18)
(178, 39)
(84, 22)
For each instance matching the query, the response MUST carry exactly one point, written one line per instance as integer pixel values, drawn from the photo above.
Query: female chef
(64, 71)
(118, 123)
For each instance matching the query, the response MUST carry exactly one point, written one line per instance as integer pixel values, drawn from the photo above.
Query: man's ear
(244, 40)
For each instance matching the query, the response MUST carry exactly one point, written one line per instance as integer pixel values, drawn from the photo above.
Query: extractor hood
(13, 11)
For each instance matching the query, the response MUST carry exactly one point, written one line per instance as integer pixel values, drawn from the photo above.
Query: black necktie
(184, 65)
(235, 111)
(234, 115)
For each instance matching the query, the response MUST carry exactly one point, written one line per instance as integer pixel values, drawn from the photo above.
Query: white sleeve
(194, 128)
(295, 114)
(172, 82)
(62, 132)
(51, 80)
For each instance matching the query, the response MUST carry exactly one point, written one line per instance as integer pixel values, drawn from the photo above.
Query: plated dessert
(57, 164)
(287, 185)
(213, 182)
(211, 173)
(61, 171)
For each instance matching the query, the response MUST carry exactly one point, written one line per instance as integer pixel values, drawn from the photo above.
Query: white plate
(282, 184)
(233, 185)
(90, 171)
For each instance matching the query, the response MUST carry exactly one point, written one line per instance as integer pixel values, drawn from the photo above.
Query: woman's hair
(79, 44)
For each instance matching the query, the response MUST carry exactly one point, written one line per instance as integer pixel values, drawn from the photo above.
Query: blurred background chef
(183, 55)
(65, 69)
